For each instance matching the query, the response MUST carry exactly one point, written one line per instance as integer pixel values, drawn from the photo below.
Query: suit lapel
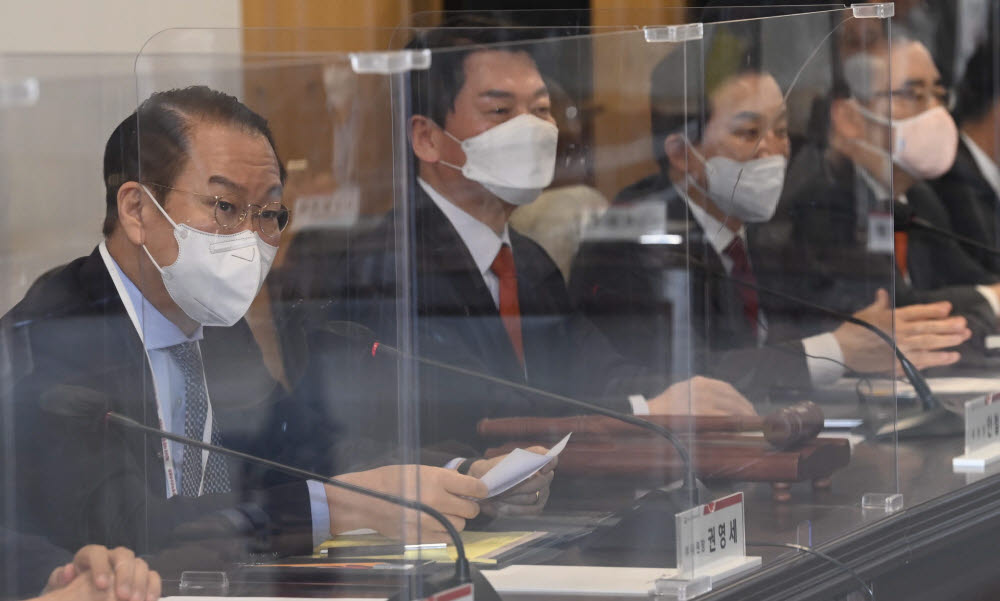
(119, 366)
(718, 304)
(454, 304)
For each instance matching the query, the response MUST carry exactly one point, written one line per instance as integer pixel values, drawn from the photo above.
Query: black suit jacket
(620, 285)
(26, 563)
(816, 248)
(81, 482)
(972, 206)
(454, 320)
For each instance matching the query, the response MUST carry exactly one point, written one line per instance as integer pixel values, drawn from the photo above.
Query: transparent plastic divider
(55, 113)
(780, 258)
(320, 387)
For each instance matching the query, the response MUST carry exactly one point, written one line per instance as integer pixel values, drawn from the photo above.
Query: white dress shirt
(159, 334)
(481, 241)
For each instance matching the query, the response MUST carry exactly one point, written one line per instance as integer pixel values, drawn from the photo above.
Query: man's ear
(425, 136)
(131, 198)
(677, 149)
(846, 120)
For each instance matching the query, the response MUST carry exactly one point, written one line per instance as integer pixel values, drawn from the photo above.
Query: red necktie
(510, 310)
(902, 246)
(742, 272)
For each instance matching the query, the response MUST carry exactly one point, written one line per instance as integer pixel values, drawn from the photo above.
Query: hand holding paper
(518, 482)
(517, 466)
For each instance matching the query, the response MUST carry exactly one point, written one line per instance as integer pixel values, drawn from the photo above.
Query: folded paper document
(518, 466)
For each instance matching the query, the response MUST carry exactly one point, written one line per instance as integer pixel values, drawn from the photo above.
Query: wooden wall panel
(622, 68)
(331, 127)
(306, 109)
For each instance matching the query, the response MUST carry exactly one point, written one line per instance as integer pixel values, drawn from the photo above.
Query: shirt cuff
(454, 463)
(639, 404)
(319, 507)
(824, 359)
(991, 298)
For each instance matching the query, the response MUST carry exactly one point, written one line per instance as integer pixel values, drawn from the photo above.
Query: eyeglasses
(230, 211)
(920, 97)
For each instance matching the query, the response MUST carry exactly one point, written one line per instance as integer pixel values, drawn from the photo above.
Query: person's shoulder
(650, 187)
(61, 291)
(524, 245)
(531, 258)
(812, 170)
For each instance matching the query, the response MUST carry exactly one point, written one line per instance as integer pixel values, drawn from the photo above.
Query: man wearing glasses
(150, 325)
(721, 174)
(883, 130)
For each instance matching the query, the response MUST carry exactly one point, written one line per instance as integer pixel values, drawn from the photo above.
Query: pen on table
(374, 550)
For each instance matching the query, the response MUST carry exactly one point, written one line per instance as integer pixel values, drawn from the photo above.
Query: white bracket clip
(881, 10)
(674, 33)
(387, 63)
(20, 92)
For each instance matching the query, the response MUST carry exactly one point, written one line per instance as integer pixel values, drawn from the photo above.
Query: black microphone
(76, 401)
(358, 332)
(462, 571)
(905, 219)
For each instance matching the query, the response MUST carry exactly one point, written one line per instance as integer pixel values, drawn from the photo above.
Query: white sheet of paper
(518, 466)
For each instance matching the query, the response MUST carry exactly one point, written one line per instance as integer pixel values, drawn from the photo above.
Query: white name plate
(982, 434)
(711, 539)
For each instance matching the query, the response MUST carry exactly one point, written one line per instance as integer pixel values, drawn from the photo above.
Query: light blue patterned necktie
(188, 358)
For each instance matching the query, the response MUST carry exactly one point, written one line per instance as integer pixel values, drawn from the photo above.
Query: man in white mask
(487, 298)
(150, 325)
(831, 241)
(893, 156)
(720, 174)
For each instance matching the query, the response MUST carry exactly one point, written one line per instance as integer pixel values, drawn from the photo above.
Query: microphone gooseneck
(359, 332)
(905, 219)
(913, 375)
(462, 570)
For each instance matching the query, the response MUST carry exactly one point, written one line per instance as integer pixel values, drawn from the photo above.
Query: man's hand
(921, 332)
(527, 498)
(131, 577)
(449, 492)
(701, 396)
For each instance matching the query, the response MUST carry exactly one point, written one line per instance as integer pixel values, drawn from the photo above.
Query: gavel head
(793, 425)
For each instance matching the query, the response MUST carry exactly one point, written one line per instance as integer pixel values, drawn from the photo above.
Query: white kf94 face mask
(748, 191)
(215, 276)
(515, 160)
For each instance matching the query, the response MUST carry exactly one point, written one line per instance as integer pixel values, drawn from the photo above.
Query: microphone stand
(904, 218)
(351, 330)
(932, 411)
(463, 572)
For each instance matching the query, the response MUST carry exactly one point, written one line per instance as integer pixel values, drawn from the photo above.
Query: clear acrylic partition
(376, 340)
(521, 162)
(779, 176)
(956, 47)
(300, 380)
(55, 114)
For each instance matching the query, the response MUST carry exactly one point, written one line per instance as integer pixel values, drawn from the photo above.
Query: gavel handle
(709, 423)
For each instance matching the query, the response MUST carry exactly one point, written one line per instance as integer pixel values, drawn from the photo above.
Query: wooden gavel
(785, 428)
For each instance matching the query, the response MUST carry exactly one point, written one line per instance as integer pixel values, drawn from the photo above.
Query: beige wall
(80, 56)
(103, 26)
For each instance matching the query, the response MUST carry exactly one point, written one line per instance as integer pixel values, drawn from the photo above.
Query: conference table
(949, 524)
